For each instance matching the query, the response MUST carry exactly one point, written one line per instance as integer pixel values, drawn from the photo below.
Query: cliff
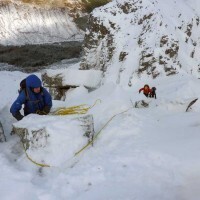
(129, 39)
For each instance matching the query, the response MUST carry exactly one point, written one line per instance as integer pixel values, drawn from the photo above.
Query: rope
(95, 103)
(81, 109)
(29, 158)
(98, 133)
(73, 110)
(61, 111)
(34, 162)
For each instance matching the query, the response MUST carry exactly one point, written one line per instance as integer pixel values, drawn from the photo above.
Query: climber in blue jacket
(35, 98)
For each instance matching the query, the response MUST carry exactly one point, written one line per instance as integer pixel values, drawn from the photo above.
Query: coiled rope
(73, 110)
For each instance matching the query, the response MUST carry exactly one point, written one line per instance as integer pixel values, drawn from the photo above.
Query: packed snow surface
(147, 154)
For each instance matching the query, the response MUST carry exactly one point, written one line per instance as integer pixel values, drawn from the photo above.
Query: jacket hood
(33, 81)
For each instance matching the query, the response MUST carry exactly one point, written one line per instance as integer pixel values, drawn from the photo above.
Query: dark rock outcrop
(59, 82)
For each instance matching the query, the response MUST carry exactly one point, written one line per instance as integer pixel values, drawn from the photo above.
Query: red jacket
(145, 90)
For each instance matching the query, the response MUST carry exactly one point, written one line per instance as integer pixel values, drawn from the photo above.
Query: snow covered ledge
(59, 81)
(49, 139)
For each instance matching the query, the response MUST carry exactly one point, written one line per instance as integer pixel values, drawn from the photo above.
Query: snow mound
(73, 77)
(53, 139)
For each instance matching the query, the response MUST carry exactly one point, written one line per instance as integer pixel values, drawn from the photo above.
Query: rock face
(55, 86)
(128, 39)
(59, 82)
(2, 136)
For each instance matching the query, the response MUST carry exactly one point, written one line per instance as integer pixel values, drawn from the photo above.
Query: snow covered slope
(27, 24)
(128, 39)
(147, 154)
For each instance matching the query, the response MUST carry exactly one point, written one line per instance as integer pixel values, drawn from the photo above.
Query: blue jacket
(32, 101)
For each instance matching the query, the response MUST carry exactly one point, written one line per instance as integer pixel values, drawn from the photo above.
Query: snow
(149, 153)
(26, 24)
(138, 31)
(46, 146)
(140, 153)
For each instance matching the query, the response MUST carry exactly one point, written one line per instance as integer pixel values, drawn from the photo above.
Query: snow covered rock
(141, 104)
(129, 39)
(50, 138)
(2, 136)
(60, 81)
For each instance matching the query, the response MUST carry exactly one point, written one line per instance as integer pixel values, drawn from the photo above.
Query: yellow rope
(95, 103)
(76, 110)
(84, 147)
(80, 109)
(34, 162)
(95, 137)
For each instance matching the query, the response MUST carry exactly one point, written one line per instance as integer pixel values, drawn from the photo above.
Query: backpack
(22, 85)
(153, 89)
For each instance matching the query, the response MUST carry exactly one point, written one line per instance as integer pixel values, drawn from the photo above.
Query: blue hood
(32, 81)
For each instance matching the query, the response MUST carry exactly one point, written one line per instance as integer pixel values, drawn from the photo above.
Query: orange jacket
(145, 90)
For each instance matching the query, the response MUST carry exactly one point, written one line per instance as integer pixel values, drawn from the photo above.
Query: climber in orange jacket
(146, 90)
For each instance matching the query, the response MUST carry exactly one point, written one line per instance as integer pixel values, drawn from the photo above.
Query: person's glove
(41, 112)
(18, 116)
(45, 111)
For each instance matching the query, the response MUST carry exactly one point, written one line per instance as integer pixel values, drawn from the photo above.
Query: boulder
(58, 82)
(141, 104)
(36, 136)
(54, 139)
